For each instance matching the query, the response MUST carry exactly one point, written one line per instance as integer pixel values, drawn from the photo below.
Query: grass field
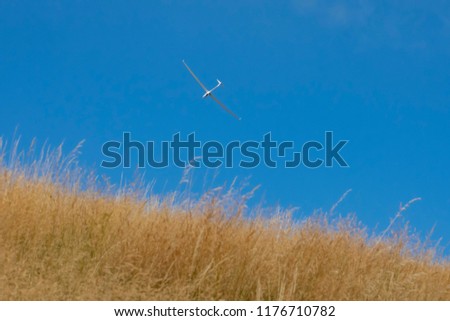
(59, 241)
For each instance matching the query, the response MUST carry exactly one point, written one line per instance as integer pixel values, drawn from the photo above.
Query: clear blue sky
(374, 72)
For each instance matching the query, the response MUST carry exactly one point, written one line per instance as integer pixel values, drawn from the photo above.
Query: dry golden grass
(60, 243)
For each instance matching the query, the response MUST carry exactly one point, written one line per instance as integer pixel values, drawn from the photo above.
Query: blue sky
(373, 72)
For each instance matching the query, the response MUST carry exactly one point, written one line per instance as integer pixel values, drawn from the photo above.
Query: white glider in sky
(209, 92)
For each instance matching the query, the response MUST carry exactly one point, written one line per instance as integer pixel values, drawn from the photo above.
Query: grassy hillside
(60, 243)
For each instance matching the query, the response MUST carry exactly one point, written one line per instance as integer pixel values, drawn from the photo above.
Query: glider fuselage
(208, 93)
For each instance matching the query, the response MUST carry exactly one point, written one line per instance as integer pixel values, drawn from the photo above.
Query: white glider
(209, 92)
